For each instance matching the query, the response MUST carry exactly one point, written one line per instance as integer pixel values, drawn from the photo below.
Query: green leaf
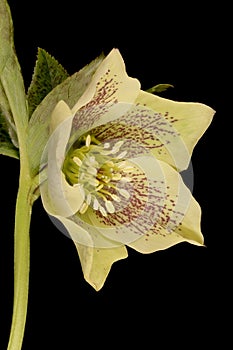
(159, 88)
(70, 91)
(12, 92)
(6, 146)
(7, 118)
(48, 73)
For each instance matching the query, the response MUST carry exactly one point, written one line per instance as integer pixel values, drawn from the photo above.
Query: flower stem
(21, 260)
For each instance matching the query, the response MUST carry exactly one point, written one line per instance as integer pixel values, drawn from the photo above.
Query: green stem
(21, 260)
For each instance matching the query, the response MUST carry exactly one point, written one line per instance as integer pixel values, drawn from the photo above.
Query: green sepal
(48, 73)
(12, 91)
(69, 91)
(6, 118)
(6, 146)
(159, 88)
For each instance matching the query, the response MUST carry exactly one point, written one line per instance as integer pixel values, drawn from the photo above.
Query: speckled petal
(170, 132)
(179, 218)
(110, 93)
(138, 202)
(159, 204)
(151, 131)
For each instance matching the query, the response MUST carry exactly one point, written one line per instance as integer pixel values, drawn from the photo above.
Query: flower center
(101, 170)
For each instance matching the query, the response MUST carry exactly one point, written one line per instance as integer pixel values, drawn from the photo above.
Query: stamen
(97, 168)
(128, 169)
(79, 153)
(116, 177)
(121, 165)
(115, 198)
(114, 150)
(83, 208)
(126, 179)
(121, 155)
(106, 179)
(96, 204)
(88, 140)
(93, 182)
(124, 193)
(91, 170)
(91, 161)
(103, 211)
(99, 187)
(109, 163)
(77, 161)
(110, 207)
(88, 199)
(105, 192)
(106, 153)
(118, 144)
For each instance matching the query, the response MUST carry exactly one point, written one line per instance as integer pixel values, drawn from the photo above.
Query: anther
(124, 193)
(126, 179)
(88, 140)
(121, 165)
(83, 208)
(103, 211)
(110, 207)
(121, 155)
(128, 169)
(115, 198)
(96, 204)
(91, 170)
(116, 177)
(93, 182)
(77, 161)
(88, 199)
(99, 187)
(118, 144)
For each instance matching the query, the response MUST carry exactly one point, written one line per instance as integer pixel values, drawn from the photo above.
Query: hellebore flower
(113, 164)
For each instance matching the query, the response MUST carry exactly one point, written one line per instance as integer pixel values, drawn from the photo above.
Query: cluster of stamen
(101, 170)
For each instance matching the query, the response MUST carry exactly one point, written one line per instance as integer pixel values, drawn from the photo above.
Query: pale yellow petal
(82, 232)
(65, 199)
(76, 229)
(96, 263)
(159, 238)
(189, 119)
(178, 219)
(60, 113)
(110, 79)
(60, 199)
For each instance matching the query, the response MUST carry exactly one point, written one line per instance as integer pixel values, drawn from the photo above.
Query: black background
(174, 297)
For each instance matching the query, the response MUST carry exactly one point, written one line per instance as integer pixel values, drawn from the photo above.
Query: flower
(113, 164)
